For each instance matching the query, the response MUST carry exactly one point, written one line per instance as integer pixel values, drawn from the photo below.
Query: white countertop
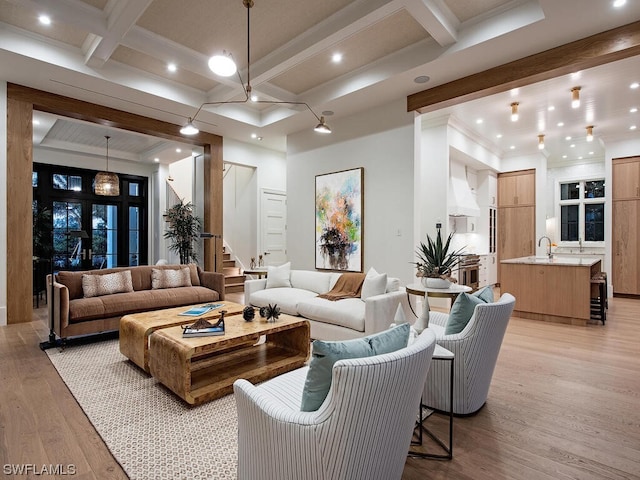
(571, 261)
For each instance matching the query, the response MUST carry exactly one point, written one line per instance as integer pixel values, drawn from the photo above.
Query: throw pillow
(95, 285)
(485, 294)
(325, 354)
(461, 312)
(279, 276)
(374, 284)
(170, 278)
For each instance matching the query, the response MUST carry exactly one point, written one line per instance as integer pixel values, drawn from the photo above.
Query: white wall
(387, 156)
(3, 203)
(255, 168)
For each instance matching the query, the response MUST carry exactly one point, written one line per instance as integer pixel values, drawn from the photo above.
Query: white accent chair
(362, 430)
(476, 350)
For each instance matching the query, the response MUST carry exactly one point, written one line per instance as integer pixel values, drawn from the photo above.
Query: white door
(273, 207)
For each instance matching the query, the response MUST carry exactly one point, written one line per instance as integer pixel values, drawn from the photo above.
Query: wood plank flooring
(563, 404)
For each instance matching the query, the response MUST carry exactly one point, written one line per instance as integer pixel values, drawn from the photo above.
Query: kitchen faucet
(549, 247)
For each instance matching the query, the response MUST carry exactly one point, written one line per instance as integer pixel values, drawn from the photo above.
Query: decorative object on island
(248, 313)
(184, 229)
(260, 261)
(435, 263)
(204, 328)
(252, 263)
(224, 65)
(339, 207)
(270, 312)
(107, 183)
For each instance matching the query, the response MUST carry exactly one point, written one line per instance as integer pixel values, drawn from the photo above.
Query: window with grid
(582, 211)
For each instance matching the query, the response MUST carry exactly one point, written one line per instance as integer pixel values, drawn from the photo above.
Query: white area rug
(152, 433)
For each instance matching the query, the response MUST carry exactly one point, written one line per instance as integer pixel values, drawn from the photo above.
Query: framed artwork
(339, 207)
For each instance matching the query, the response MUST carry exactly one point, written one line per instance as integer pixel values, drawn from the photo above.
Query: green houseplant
(183, 231)
(436, 261)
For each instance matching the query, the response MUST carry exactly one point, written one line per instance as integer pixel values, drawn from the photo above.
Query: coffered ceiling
(116, 53)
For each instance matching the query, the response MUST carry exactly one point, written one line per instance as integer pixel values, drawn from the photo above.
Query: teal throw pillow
(461, 312)
(325, 354)
(485, 294)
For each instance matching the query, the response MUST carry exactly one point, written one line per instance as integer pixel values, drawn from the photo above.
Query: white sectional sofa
(330, 320)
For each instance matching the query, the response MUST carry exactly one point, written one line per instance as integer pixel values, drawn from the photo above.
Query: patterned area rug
(152, 433)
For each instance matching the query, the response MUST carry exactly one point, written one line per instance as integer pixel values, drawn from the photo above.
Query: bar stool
(599, 297)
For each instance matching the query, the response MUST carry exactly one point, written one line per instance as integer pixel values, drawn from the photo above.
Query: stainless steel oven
(469, 271)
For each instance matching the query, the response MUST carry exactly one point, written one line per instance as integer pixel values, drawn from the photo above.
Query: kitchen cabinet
(466, 224)
(487, 272)
(626, 247)
(517, 188)
(626, 178)
(516, 233)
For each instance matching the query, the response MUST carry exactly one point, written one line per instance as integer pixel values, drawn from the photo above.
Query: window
(582, 211)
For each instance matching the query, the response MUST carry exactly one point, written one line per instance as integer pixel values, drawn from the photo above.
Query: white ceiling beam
(436, 18)
(122, 16)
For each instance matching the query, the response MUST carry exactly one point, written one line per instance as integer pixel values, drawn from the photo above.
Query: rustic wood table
(200, 369)
(136, 328)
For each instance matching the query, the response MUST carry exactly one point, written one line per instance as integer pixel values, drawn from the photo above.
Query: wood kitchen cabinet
(516, 233)
(626, 247)
(626, 178)
(517, 188)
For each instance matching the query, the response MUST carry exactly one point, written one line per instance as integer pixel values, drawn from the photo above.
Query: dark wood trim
(605, 47)
(21, 101)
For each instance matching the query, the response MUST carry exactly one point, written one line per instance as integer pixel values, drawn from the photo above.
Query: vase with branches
(183, 231)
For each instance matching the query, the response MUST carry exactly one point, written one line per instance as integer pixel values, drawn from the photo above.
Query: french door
(90, 231)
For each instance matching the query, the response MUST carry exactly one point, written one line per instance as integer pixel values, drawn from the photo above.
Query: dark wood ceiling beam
(605, 47)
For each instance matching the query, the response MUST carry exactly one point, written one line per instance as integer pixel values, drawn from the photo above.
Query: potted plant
(436, 263)
(184, 229)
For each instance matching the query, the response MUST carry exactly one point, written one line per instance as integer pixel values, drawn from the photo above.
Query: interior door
(274, 227)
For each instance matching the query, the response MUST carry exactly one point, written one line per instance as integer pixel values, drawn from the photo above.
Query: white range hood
(462, 202)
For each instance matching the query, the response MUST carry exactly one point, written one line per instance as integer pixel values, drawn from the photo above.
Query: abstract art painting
(339, 205)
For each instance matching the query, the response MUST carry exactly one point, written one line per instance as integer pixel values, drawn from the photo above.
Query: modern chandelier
(225, 66)
(107, 183)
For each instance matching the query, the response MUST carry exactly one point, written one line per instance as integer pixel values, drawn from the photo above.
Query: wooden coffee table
(136, 328)
(201, 369)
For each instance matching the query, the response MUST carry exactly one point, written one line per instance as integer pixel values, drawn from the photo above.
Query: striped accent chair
(361, 431)
(476, 351)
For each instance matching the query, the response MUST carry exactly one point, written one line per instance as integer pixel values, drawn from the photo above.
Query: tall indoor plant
(183, 231)
(435, 261)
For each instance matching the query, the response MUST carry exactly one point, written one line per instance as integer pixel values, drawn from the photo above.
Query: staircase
(233, 278)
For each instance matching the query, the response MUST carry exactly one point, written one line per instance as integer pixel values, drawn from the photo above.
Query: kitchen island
(556, 289)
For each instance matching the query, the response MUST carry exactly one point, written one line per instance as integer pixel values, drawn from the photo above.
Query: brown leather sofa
(75, 314)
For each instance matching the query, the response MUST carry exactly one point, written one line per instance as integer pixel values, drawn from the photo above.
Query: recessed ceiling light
(479, 121)
(512, 147)
(632, 127)
(499, 135)
(619, 3)
(580, 157)
(172, 67)
(156, 159)
(178, 150)
(634, 85)
(254, 98)
(422, 79)
(568, 137)
(561, 124)
(254, 135)
(551, 108)
(573, 145)
(336, 58)
(36, 122)
(633, 110)
(44, 19)
(564, 156)
(590, 153)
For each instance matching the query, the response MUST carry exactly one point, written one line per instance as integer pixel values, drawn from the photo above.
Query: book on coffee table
(201, 310)
(202, 328)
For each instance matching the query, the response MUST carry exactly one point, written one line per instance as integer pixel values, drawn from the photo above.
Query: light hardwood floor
(563, 404)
